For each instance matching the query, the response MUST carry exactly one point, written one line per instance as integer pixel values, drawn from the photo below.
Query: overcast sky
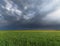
(29, 14)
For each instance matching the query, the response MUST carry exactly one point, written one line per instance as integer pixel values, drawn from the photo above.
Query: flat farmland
(30, 38)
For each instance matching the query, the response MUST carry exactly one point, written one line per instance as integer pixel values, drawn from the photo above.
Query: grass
(29, 38)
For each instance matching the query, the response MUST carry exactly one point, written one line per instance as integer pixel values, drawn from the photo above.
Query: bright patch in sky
(52, 18)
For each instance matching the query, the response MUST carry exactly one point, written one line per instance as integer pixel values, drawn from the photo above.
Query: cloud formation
(52, 18)
(29, 12)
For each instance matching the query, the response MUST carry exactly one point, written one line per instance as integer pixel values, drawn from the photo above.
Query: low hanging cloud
(39, 12)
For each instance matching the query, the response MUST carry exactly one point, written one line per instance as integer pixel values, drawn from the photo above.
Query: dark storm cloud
(29, 14)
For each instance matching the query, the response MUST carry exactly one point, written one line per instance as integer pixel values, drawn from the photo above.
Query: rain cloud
(29, 14)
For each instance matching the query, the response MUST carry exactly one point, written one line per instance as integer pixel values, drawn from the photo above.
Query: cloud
(3, 22)
(39, 12)
(52, 18)
(50, 12)
(10, 6)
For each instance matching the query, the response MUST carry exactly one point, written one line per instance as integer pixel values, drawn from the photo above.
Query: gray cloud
(29, 13)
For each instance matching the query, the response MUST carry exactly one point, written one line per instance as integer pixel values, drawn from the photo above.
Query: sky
(29, 14)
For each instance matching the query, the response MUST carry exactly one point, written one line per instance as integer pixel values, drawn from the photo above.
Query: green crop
(17, 38)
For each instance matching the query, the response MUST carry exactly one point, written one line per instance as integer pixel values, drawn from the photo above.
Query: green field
(29, 38)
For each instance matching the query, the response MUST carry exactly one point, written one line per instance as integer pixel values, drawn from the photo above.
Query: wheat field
(30, 38)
